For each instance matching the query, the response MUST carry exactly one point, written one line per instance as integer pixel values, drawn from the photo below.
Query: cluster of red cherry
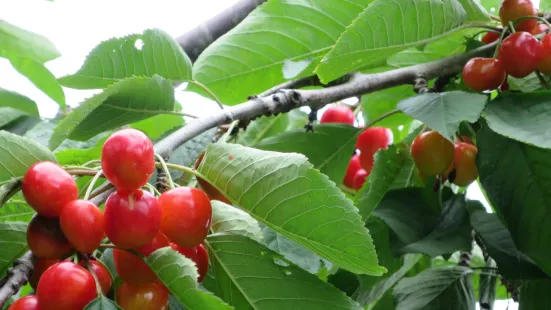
(518, 55)
(133, 220)
(368, 143)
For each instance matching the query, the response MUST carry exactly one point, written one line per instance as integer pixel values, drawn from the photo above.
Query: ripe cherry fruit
(187, 214)
(353, 166)
(128, 159)
(47, 188)
(152, 296)
(133, 269)
(45, 238)
(339, 114)
(83, 224)
(482, 74)
(40, 265)
(490, 37)
(197, 254)
(510, 10)
(464, 163)
(359, 178)
(541, 28)
(210, 190)
(432, 153)
(65, 286)
(26, 303)
(132, 218)
(520, 54)
(104, 276)
(373, 139)
(544, 64)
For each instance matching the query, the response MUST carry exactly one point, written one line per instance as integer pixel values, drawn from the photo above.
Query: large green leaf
(228, 219)
(534, 295)
(512, 263)
(286, 193)
(250, 276)
(17, 101)
(475, 11)
(102, 303)
(15, 41)
(444, 112)
(155, 126)
(418, 228)
(277, 35)
(17, 211)
(267, 126)
(13, 242)
(369, 41)
(329, 148)
(516, 179)
(18, 153)
(179, 275)
(41, 77)
(150, 53)
(10, 115)
(125, 102)
(522, 117)
(434, 289)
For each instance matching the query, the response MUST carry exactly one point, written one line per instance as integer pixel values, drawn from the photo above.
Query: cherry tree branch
(283, 100)
(16, 277)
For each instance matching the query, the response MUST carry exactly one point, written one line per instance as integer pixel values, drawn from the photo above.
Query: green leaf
(179, 275)
(13, 242)
(522, 117)
(16, 212)
(434, 288)
(444, 111)
(76, 156)
(267, 126)
(150, 53)
(102, 303)
(41, 77)
(512, 263)
(276, 34)
(23, 43)
(228, 219)
(516, 179)
(109, 262)
(125, 102)
(534, 295)
(21, 125)
(475, 11)
(155, 126)
(285, 192)
(17, 101)
(8, 190)
(250, 276)
(18, 153)
(294, 253)
(487, 286)
(9, 115)
(418, 228)
(369, 40)
(328, 148)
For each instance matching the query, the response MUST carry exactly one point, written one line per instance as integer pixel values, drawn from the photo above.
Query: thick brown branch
(285, 100)
(16, 277)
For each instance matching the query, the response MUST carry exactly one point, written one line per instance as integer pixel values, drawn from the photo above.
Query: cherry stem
(542, 80)
(94, 161)
(165, 168)
(541, 19)
(91, 270)
(152, 189)
(206, 89)
(107, 246)
(380, 118)
(92, 183)
(83, 172)
(227, 135)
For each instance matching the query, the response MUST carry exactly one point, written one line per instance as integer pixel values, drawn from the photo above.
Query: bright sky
(76, 26)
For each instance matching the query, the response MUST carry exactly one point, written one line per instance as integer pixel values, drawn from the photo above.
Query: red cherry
(520, 46)
(432, 153)
(47, 188)
(147, 297)
(541, 28)
(373, 139)
(104, 276)
(339, 114)
(464, 163)
(197, 254)
(65, 286)
(482, 74)
(510, 10)
(25, 303)
(505, 86)
(45, 238)
(128, 159)
(83, 224)
(132, 219)
(465, 139)
(187, 214)
(490, 37)
(133, 269)
(40, 265)
(359, 178)
(367, 160)
(353, 167)
(544, 64)
(210, 190)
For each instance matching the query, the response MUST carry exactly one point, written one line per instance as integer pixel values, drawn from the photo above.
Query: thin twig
(16, 277)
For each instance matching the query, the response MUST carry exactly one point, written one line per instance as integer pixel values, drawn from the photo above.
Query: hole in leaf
(138, 44)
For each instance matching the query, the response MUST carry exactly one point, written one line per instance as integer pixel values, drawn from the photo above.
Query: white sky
(76, 26)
